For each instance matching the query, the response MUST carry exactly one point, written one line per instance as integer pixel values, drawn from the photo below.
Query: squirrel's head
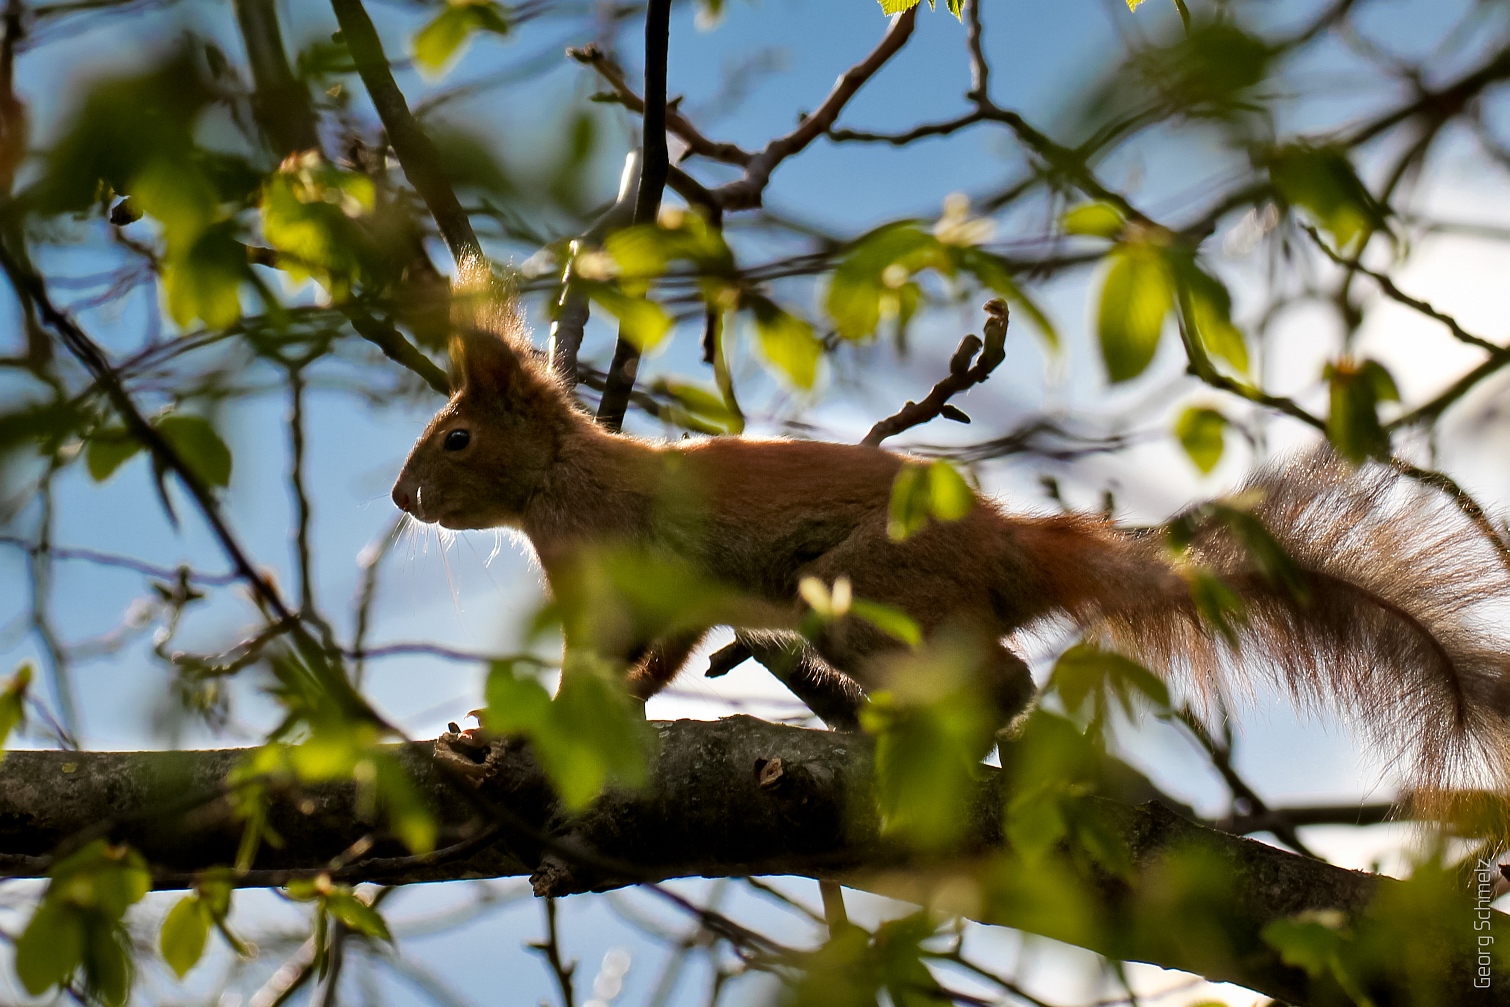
(488, 451)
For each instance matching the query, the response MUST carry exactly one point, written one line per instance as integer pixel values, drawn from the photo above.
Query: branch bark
(732, 797)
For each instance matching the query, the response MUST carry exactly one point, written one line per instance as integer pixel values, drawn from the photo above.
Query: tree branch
(717, 804)
(608, 68)
(745, 193)
(655, 164)
(961, 377)
(418, 156)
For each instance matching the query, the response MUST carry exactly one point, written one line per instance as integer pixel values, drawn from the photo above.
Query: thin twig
(746, 193)
(550, 950)
(655, 164)
(962, 376)
(418, 156)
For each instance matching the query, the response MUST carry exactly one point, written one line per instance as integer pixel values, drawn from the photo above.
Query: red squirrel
(1380, 611)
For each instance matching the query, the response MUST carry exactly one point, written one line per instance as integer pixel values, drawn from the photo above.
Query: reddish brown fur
(1389, 629)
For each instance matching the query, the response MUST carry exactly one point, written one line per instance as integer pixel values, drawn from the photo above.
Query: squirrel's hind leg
(661, 661)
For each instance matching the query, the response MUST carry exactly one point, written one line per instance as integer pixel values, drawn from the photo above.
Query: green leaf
(204, 280)
(437, 43)
(107, 965)
(891, 621)
(1135, 298)
(13, 703)
(310, 214)
(1086, 672)
(932, 727)
(868, 282)
(1322, 180)
(1101, 220)
(185, 931)
(1353, 424)
(50, 948)
(786, 341)
(1308, 941)
(949, 496)
(890, 7)
(357, 915)
(641, 321)
(407, 812)
(590, 734)
(1208, 313)
(1202, 433)
(197, 443)
(697, 408)
(910, 499)
(108, 450)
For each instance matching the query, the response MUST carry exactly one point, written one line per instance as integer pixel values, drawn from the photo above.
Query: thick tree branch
(733, 797)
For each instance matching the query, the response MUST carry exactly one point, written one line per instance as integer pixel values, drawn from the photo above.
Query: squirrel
(1378, 610)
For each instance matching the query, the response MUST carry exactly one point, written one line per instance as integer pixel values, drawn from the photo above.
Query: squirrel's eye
(457, 439)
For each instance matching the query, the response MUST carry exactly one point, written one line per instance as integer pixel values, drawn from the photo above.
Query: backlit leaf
(1101, 220)
(184, 933)
(437, 43)
(197, 443)
(1135, 299)
(1202, 433)
(786, 341)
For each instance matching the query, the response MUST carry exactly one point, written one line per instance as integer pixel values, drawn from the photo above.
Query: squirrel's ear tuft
(483, 363)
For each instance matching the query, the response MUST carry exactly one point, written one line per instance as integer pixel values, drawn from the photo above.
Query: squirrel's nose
(402, 498)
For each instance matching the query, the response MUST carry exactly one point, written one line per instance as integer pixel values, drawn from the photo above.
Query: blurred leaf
(78, 922)
(1322, 180)
(197, 443)
(204, 280)
(696, 408)
(13, 703)
(1353, 424)
(129, 127)
(891, 621)
(1208, 313)
(357, 915)
(310, 211)
(786, 341)
(949, 496)
(910, 499)
(591, 734)
(50, 948)
(876, 266)
(1087, 673)
(185, 931)
(919, 492)
(1218, 604)
(644, 251)
(933, 725)
(641, 321)
(439, 41)
(1135, 298)
(1101, 220)
(108, 450)
(1052, 770)
(1202, 433)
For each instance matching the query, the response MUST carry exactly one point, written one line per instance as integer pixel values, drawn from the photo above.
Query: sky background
(453, 594)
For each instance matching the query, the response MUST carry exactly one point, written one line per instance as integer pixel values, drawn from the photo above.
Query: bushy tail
(1393, 611)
